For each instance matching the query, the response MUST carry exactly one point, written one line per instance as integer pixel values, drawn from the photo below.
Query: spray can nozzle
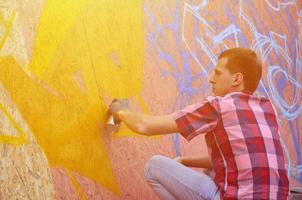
(111, 125)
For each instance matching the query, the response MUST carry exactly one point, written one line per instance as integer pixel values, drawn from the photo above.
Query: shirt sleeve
(196, 119)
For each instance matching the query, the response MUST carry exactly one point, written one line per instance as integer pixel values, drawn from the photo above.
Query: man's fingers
(114, 100)
(118, 104)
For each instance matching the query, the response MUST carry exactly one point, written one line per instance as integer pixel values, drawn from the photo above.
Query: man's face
(221, 78)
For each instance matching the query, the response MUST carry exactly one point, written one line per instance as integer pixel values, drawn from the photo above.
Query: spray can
(111, 125)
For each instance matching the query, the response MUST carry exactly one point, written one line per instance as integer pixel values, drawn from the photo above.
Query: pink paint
(63, 187)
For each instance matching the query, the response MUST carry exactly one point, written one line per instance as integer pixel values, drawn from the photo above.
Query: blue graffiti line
(217, 39)
(265, 45)
(189, 9)
(229, 31)
(181, 72)
(295, 140)
(281, 70)
(254, 27)
(287, 155)
(281, 4)
(290, 111)
(176, 143)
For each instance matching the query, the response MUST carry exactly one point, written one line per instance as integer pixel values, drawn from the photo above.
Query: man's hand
(178, 159)
(195, 161)
(116, 106)
(139, 122)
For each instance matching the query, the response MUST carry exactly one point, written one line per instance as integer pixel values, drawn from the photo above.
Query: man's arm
(197, 161)
(146, 124)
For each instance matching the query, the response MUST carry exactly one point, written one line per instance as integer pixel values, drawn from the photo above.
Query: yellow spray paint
(76, 185)
(7, 27)
(56, 19)
(12, 140)
(114, 37)
(99, 42)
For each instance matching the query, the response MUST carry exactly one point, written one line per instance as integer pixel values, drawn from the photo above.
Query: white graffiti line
(202, 4)
(284, 48)
(217, 39)
(244, 17)
(266, 45)
(284, 5)
(207, 50)
(280, 4)
(259, 45)
(295, 170)
(188, 8)
(287, 155)
(299, 167)
(230, 30)
(260, 41)
(278, 99)
(286, 109)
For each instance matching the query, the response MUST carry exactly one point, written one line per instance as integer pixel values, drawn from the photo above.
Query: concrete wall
(62, 62)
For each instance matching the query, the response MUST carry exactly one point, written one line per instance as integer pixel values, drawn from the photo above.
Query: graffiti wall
(62, 62)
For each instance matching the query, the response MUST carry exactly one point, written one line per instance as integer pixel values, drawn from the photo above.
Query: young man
(242, 137)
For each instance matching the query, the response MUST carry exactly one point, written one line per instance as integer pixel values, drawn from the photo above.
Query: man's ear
(237, 79)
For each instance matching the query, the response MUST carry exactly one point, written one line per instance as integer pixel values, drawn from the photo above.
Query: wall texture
(62, 62)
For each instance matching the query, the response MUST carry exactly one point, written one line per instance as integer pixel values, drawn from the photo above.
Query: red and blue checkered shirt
(244, 144)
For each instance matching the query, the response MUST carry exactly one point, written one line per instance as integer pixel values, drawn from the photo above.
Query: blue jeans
(171, 180)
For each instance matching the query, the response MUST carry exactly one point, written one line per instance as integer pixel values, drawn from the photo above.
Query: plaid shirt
(243, 140)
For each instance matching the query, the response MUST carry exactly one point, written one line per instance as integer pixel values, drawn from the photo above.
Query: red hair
(246, 62)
